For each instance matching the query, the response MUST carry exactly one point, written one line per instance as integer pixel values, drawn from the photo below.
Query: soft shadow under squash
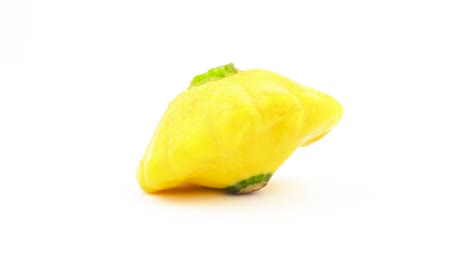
(194, 194)
(190, 193)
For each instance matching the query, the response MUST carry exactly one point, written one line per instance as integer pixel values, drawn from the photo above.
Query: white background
(84, 83)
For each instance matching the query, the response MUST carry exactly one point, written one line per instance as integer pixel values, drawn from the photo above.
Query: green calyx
(214, 74)
(251, 184)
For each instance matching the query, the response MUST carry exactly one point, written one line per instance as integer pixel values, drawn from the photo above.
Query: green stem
(214, 74)
(251, 184)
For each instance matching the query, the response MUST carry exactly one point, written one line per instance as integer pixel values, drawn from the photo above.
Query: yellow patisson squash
(232, 130)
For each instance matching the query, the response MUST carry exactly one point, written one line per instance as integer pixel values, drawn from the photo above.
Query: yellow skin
(222, 132)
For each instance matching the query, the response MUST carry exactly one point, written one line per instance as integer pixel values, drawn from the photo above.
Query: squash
(233, 129)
